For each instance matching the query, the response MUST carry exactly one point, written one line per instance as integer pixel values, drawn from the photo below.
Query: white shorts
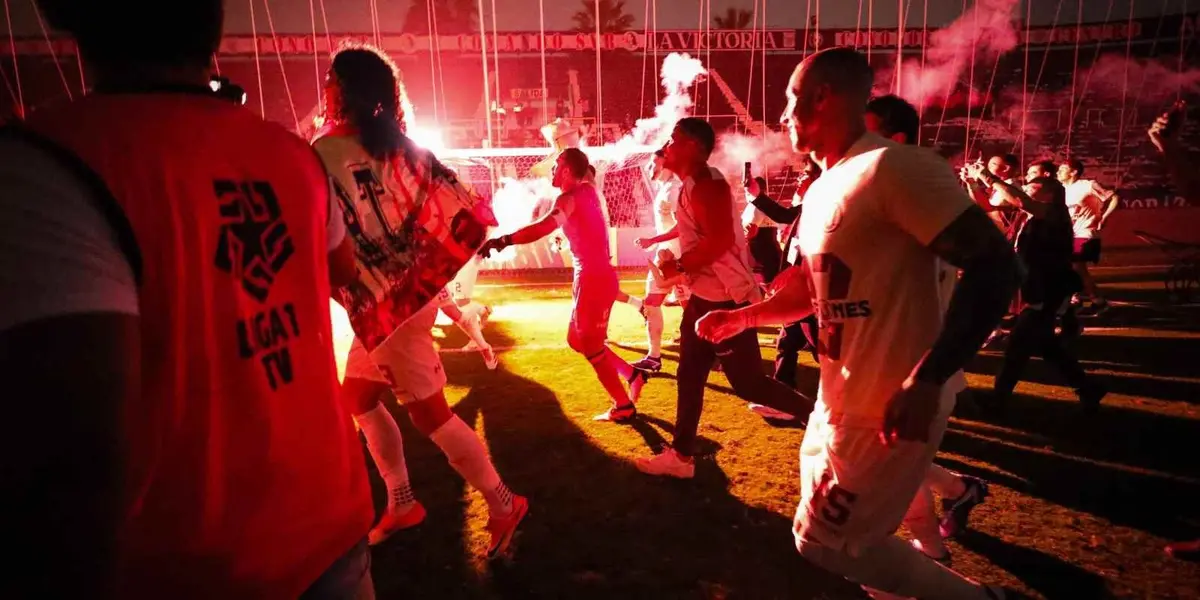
(407, 361)
(681, 290)
(463, 284)
(854, 491)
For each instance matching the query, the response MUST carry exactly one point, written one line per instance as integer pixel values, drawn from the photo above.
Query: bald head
(843, 71)
(827, 96)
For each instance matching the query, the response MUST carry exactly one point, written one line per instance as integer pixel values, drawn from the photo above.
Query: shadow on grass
(1131, 467)
(1048, 575)
(597, 527)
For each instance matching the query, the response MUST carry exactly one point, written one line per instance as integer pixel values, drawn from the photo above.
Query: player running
(577, 210)
(666, 200)
(715, 262)
(365, 150)
(874, 225)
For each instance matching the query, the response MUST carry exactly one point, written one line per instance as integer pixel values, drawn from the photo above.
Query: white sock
(470, 326)
(895, 567)
(654, 330)
(922, 521)
(945, 482)
(635, 302)
(466, 454)
(387, 450)
(471, 311)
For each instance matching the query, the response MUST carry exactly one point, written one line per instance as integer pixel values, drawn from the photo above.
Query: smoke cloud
(679, 72)
(985, 31)
(765, 153)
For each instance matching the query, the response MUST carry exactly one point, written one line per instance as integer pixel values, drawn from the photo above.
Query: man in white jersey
(666, 199)
(874, 225)
(578, 211)
(716, 264)
(893, 117)
(1091, 204)
(373, 165)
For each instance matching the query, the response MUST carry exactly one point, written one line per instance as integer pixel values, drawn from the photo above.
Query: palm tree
(453, 17)
(734, 18)
(613, 18)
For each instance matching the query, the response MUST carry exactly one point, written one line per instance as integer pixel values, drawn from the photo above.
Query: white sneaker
(767, 412)
(668, 463)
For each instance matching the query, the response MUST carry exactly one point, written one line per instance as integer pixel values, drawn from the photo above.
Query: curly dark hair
(364, 89)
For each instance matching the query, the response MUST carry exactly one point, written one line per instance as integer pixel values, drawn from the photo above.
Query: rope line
(287, 88)
(12, 46)
(53, 54)
(262, 103)
(487, 91)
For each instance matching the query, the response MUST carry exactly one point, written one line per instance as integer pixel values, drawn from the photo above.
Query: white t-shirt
(59, 254)
(877, 288)
(1085, 200)
(666, 202)
(729, 277)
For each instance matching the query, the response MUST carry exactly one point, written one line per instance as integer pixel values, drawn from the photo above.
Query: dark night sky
(292, 16)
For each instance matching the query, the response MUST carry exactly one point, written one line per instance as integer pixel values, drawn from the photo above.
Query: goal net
(507, 178)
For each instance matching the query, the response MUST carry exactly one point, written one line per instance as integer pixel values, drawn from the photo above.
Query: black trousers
(764, 248)
(1033, 333)
(791, 341)
(741, 361)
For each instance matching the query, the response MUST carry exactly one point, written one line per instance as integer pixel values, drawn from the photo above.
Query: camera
(223, 88)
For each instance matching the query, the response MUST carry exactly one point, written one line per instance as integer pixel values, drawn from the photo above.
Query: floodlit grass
(1080, 507)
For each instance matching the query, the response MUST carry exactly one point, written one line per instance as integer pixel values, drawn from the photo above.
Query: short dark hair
(1010, 159)
(576, 161)
(700, 130)
(896, 115)
(112, 34)
(1075, 165)
(1045, 165)
(1054, 185)
(845, 70)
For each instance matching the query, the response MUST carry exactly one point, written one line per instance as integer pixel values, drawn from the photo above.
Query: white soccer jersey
(1085, 200)
(729, 277)
(877, 288)
(666, 202)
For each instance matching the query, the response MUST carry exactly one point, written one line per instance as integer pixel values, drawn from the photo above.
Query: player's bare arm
(713, 207)
(1015, 195)
(666, 236)
(990, 277)
(788, 301)
(529, 233)
(1111, 203)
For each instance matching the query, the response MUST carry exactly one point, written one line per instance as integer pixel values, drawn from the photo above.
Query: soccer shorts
(681, 290)
(407, 361)
(1087, 250)
(854, 491)
(463, 284)
(594, 295)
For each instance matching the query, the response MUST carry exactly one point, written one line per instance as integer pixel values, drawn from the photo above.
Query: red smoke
(984, 32)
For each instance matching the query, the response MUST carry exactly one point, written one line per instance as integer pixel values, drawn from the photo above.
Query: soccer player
(874, 225)
(577, 210)
(716, 264)
(666, 200)
(365, 150)
(167, 270)
(893, 117)
(1091, 205)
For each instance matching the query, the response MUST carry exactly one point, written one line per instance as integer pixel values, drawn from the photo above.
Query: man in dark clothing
(1044, 245)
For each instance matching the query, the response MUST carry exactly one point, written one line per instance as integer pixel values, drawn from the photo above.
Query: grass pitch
(1080, 508)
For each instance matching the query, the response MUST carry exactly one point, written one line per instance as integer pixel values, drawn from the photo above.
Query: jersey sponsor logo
(253, 244)
(829, 286)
